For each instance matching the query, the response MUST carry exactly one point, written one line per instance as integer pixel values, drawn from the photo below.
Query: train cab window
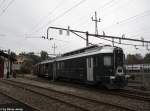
(107, 61)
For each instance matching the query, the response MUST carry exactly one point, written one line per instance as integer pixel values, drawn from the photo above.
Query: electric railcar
(93, 65)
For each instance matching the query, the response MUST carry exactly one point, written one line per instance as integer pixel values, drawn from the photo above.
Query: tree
(34, 58)
(13, 55)
(27, 66)
(147, 58)
(30, 59)
(134, 59)
(44, 55)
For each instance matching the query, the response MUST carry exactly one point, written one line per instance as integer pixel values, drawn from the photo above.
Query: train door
(46, 69)
(89, 62)
(54, 71)
(1, 69)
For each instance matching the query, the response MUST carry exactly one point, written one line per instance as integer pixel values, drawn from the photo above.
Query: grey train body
(91, 65)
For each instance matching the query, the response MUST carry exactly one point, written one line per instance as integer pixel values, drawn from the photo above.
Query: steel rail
(19, 101)
(124, 93)
(77, 96)
(53, 98)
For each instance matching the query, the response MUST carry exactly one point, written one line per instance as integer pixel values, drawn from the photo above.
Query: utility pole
(54, 46)
(87, 38)
(96, 20)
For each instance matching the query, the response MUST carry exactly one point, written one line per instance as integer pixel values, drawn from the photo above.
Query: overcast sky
(23, 22)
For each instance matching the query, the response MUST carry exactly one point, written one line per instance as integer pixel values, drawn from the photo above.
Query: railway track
(83, 103)
(22, 105)
(48, 102)
(139, 94)
(133, 94)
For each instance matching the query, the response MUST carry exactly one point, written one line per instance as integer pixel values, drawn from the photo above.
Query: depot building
(6, 62)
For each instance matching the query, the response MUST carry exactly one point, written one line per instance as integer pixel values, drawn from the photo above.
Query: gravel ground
(36, 100)
(84, 103)
(5, 100)
(131, 103)
(8, 104)
(140, 80)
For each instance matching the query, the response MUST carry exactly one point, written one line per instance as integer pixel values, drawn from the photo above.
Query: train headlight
(119, 71)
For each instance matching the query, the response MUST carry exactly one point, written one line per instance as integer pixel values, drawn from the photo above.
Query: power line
(116, 6)
(49, 13)
(62, 14)
(2, 3)
(148, 31)
(4, 10)
(61, 40)
(121, 43)
(2, 35)
(39, 37)
(82, 38)
(134, 17)
(106, 4)
(146, 13)
(86, 19)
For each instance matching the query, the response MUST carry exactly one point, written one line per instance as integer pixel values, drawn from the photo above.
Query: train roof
(92, 50)
(96, 50)
(81, 50)
(46, 61)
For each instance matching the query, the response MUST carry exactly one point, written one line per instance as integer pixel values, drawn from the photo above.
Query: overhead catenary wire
(62, 14)
(81, 37)
(109, 3)
(139, 32)
(109, 37)
(3, 1)
(106, 4)
(2, 35)
(39, 37)
(145, 13)
(4, 10)
(115, 5)
(49, 13)
(122, 43)
(86, 19)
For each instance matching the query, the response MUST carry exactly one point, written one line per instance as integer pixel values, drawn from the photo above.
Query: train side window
(58, 65)
(95, 61)
(46, 66)
(62, 65)
(107, 61)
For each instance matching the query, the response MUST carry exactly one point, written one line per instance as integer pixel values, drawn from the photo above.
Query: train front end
(119, 78)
